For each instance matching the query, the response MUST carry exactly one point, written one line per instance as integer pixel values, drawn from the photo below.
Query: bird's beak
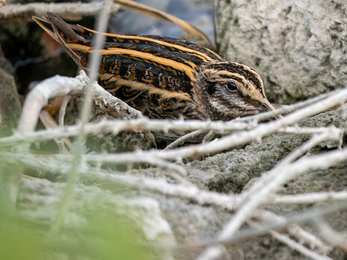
(271, 107)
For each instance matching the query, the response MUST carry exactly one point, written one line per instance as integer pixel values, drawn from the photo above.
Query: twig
(65, 10)
(298, 247)
(40, 95)
(59, 86)
(286, 109)
(304, 130)
(257, 132)
(228, 141)
(180, 141)
(332, 236)
(309, 197)
(209, 136)
(62, 111)
(49, 123)
(331, 133)
(276, 178)
(293, 229)
(285, 239)
(115, 126)
(190, 192)
(263, 229)
(141, 157)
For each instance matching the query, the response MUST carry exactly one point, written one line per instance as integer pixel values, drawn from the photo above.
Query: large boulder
(298, 47)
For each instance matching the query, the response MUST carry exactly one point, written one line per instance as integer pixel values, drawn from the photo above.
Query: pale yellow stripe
(142, 38)
(139, 86)
(189, 70)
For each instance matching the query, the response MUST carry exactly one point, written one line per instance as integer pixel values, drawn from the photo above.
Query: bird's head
(228, 90)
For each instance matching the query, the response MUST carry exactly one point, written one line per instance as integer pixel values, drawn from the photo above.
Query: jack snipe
(165, 77)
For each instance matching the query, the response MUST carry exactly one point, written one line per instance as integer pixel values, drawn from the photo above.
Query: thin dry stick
(304, 130)
(293, 229)
(227, 202)
(157, 185)
(285, 239)
(85, 112)
(275, 178)
(332, 236)
(286, 109)
(49, 123)
(115, 126)
(257, 133)
(141, 157)
(62, 111)
(331, 133)
(180, 141)
(65, 10)
(209, 136)
(298, 247)
(40, 95)
(262, 229)
(316, 197)
(59, 86)
(271, 182)
(229, 141)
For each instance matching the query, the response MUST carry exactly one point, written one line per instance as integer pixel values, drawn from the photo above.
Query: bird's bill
(269, 105)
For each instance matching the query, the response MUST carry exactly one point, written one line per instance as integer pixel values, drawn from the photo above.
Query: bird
(164, 77)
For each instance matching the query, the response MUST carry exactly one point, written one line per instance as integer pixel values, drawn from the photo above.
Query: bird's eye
(232, 86)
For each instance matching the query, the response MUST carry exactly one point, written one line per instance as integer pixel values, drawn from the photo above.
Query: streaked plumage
(165, 77)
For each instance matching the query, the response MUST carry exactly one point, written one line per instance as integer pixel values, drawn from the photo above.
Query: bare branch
(180, 141)
(271, 182)
(331, 133)
(276, 178)
(190, 192)
(332, 236)
(59, 86)
(286, 109)
(294, 230)
(62, 111)
(115, 126)
(317, 197)
(298, 247)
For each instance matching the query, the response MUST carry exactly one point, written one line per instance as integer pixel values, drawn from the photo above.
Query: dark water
(198, 13)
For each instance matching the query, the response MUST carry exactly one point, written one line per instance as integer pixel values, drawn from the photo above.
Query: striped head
(227, 90)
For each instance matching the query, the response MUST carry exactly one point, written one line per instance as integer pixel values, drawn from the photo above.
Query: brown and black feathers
(165, 77)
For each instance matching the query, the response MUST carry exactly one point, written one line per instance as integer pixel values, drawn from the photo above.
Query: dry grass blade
(49, 122)
(157, 14)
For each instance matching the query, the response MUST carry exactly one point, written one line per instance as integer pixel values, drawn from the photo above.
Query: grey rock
(10, 106)
(298, 47)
